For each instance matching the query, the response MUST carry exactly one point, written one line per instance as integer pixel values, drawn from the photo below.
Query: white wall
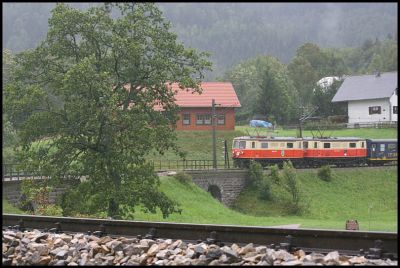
(393, 102)
(358, 111)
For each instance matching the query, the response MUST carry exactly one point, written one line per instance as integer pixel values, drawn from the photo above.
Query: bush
(35, 195)
(274, 174)
(265, 190)
(256, 174)
(50, 210)
(325, 173)
(183, 177)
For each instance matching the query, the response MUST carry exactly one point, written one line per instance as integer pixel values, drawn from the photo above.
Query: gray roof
(363, 87)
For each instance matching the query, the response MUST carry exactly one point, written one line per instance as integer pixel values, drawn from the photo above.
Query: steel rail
(344, 241)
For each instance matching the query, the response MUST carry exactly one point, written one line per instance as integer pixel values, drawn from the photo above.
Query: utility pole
(300, 121)
(213, 121)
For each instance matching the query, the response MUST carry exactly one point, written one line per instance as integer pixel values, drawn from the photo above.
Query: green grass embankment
(367, 195)
(367, 133)
(370, 196)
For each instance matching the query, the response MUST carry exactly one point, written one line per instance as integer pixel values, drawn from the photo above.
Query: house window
(186, 119)
(352, 145)
(375, 110)
(221, 119)
(203, 119)
(289, 145)
(395, 109)
(327, 145)
(207, 119)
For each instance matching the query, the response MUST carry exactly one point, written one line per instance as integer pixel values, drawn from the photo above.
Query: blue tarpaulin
(260, 123)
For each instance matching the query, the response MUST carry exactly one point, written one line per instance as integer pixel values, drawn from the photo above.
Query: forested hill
(234, 32)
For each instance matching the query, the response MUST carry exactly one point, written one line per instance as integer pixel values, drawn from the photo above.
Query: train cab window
(253, 144)
(305, 144)
(352, 145)
(236, 144)
(327, 145)
(315, 145)
(264, 145)
(373, 147)
(242, 144)
(362, 144)
(289, 145)
(382, 147)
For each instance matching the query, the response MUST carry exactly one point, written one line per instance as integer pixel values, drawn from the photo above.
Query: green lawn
(8, 208)
(372, 133)
(370, 196)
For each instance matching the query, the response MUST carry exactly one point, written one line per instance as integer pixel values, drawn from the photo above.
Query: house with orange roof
(196, 109)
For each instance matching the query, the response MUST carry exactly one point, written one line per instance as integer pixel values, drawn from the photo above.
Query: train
(313, 152)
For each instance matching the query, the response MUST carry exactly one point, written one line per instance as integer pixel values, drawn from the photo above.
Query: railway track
(373, 244)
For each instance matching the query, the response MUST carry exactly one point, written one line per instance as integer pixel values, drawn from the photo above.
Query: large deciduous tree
(87, 94)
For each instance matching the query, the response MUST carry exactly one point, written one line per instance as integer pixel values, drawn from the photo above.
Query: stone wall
(12, 192)
(230, 183)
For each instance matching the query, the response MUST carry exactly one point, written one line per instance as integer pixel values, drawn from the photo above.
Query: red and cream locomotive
(302, 152)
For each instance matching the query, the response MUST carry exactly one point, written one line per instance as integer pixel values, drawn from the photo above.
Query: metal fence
(12, 172)
(160, 165)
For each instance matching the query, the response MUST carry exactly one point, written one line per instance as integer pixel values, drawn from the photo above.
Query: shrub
(50, 210)
(35, 195)
(274, 174)
(325, 173)
(265, 190)
(295, 205)
(256, 174)
(183, 177)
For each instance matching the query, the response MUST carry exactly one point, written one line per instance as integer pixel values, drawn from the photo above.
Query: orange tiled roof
(222, 92)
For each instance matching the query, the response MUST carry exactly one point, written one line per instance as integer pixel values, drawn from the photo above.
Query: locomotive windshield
(239, 144)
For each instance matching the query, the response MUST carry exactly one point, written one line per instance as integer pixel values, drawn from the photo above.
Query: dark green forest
(234, 32)
(273, 53)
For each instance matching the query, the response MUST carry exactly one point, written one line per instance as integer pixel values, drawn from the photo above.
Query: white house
(370, 98)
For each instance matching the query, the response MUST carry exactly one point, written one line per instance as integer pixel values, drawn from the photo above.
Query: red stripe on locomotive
(359, 152)
(267, 153)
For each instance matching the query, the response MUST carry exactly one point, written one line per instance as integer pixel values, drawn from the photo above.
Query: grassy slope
(371, 133)
(370, 196)
(198, 145)
(8, 208)
(348, 196)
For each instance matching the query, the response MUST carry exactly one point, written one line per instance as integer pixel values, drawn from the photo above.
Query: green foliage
(88, 91)
(255, 176)
(274, 174)
(50, 210)
(265, 191)
(286, 180)
(36, 195)
(263, 87)
(325, 173)
(183, 177)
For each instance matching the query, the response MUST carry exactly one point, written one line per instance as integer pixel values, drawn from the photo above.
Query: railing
(11, 172)
(160, 165)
